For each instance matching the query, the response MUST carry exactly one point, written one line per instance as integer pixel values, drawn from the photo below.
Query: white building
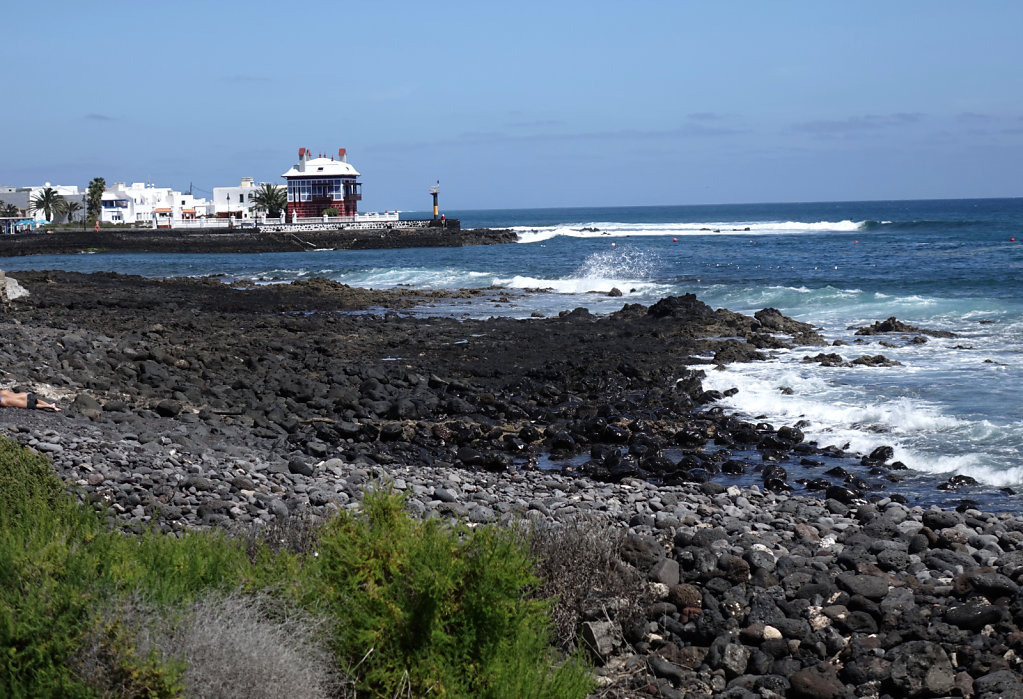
(141, 203)
(22, 198)
(236, 202)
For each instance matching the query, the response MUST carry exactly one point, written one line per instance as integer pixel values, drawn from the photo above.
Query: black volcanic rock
(891, 325)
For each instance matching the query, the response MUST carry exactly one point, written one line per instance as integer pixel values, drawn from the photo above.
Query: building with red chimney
(321, 183)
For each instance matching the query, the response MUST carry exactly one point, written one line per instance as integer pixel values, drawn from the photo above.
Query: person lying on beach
(13, 399)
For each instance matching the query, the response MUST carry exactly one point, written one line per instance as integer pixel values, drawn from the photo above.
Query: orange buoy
(674, 240)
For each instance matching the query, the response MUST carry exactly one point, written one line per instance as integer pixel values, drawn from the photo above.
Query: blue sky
(525, 104)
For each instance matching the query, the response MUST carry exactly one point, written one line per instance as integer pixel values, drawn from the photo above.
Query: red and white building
(321, 183)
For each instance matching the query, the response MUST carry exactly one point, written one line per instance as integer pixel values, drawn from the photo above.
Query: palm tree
(70, 209)
(49, 202)
(95, 197)
(271, 198)
(10, 211)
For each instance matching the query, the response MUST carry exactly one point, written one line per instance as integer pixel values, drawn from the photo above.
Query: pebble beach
(767, 565)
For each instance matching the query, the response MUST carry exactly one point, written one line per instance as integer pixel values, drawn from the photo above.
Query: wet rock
(891, 325)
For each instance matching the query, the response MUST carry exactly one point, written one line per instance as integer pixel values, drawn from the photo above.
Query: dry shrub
(243, 646)
(236, 645)
(295, 534)
(118, 656)
(581, 570)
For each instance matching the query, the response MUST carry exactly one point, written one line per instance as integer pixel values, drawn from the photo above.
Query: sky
(523, 104)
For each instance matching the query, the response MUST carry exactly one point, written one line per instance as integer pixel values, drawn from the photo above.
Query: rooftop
(321, 167)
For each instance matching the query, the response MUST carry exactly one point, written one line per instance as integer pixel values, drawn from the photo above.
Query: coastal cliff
(246, 240)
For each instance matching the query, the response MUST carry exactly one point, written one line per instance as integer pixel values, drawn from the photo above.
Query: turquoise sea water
(952, 407)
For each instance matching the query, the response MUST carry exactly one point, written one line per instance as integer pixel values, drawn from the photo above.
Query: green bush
(27, 482)
(436, 609)
(41, 604)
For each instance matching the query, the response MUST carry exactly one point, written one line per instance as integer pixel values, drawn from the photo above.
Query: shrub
(253, 647)
(27, 482)
(42, 600)
(116, 656)
(294, 534)
(225, 646)
(58, 563)
(437, 609)
(581, 571)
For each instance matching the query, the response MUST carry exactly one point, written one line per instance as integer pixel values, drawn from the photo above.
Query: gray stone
(662, 668)
(1002, 684)
(602, 638)
(168, 408)
(870, 586)
(921, 669)
(815, 683)
(279, 509)
(992, 585)
(973, 616)
(300, 467)
(940, 519)
(665, 571)
(445, 495)
(734, 659)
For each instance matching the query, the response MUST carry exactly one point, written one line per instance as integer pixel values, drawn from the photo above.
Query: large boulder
(10, 289)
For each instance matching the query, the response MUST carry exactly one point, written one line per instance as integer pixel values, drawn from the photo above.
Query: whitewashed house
(141, 203)
(236, 202)
(22, 198)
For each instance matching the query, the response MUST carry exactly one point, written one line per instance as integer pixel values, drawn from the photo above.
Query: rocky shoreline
(765, 573)
(245, 241)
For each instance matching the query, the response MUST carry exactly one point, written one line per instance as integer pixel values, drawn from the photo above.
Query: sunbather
(13, 399)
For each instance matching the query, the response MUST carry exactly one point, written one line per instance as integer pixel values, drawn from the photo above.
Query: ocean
(952, 406)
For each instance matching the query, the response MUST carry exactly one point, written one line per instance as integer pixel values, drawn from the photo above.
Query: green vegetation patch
(379, 603)
(436, 609)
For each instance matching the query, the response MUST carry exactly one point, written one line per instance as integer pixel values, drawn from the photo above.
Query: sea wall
(246, 241)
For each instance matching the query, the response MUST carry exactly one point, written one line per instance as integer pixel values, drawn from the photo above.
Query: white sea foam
(580, 285)
(619, 230)
(627, 270)
(841, 407)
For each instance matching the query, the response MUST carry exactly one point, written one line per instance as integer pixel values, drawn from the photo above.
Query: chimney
(342, 153)
(301, 152)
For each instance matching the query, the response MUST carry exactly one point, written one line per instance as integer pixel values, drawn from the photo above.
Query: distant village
(321, 188)
(121, 203)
